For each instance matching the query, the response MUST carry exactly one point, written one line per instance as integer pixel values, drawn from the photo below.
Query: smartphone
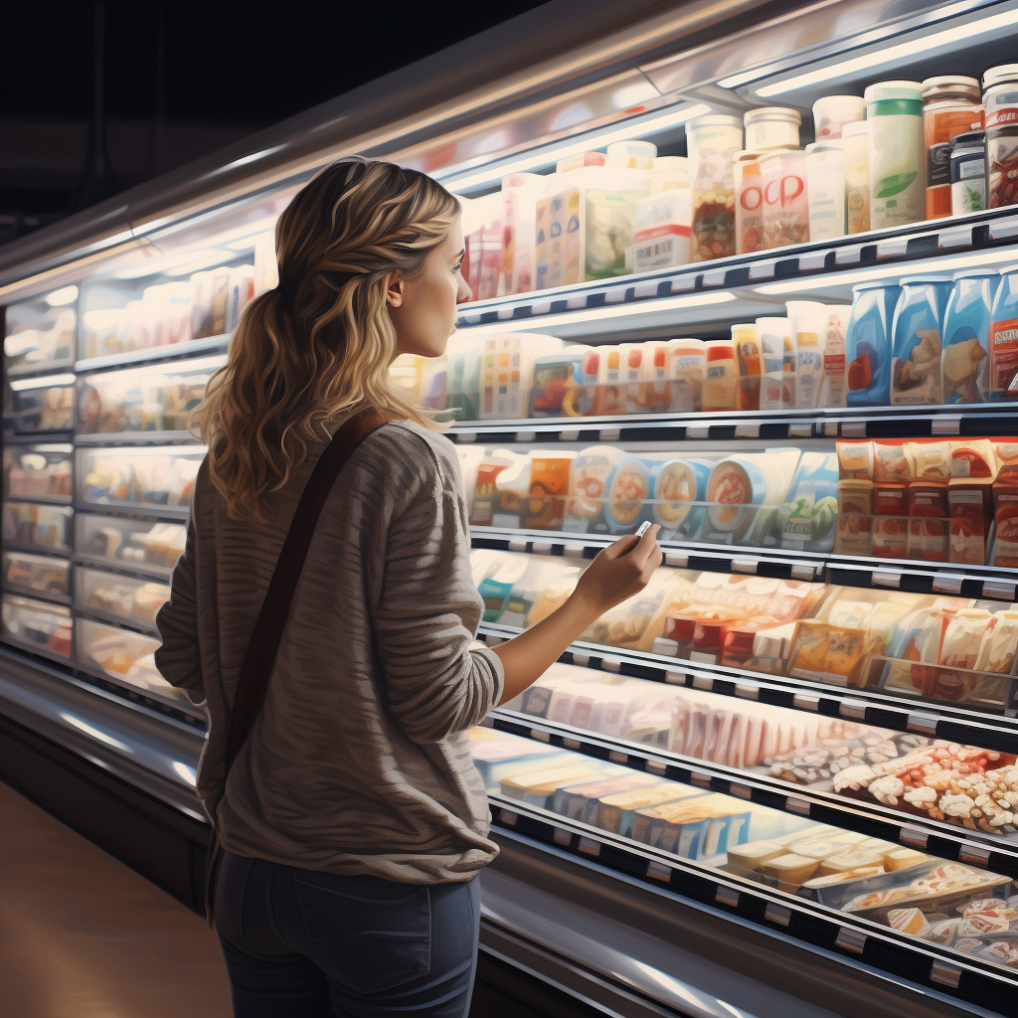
(644, 527)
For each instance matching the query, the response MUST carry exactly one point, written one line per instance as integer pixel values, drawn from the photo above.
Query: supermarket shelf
(764, 424)
(35, 549)
(64, 500)
(31, 370)
(32, 439)
(140, 569)
(932, 718)
(38, 595)
(681, 554)
(137, 438)
(977, 420)
(163, 703)
(110, 619)
(906, 246)
(994, 583)
(177, 513)
(786, 915)
(158, 353)
(940, 839)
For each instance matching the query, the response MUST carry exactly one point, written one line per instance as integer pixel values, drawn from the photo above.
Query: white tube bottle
(809, 320)
(825, 182)
(777, 349)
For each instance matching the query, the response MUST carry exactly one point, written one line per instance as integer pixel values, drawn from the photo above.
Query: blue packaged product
(915, 364)
(966, 357)
(868, 344)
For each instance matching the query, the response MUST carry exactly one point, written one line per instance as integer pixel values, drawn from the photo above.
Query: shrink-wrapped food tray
(940, 895)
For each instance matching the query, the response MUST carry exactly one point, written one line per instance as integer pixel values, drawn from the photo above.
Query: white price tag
(778, 914)
(747, 692)
(851, 939)
(617, 295)
(703, 682)
(727, 896)
(538, 736)
(740, 791)
(945, 425)
(616, 757)
(699, 779)
(526, 436)
(747, 430)
(683, 284)
(848, 255)
(853, 429)
(611, 664)
(883, 579)
(697, 432)
(577, 301)
(677, 559)
(803, 570)
(715, 277)
(589, 847)
(571, 435)
(812, 260)
(571, 744)
(800, 806)
(763, 270)
(465, 437)
(999, 589)
(853, 709)
(895, 248)
(947, 583)
(744, 565)
(925, 723)
(504, 314)
(958, 236)
(805, 701)
(657, 766)
(610, 434)
(659, 871)
(1002, 229)
(799, 430)
(515, 544)
(541, 307)
(541, 547)
(562, 836)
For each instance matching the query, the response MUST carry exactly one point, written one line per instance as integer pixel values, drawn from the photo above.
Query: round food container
(772, 127)
(734, 484)
(629, 486)
(677, 483)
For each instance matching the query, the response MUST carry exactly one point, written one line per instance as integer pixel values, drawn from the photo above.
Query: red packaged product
(927, 524)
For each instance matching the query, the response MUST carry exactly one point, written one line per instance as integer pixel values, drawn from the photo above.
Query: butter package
(616, 813)
(538, 788)
(496, 759)
(576, 801)
(827, 653)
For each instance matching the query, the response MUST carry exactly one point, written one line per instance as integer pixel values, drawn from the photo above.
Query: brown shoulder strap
(268, 630)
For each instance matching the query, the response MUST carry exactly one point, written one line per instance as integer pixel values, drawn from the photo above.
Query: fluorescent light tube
(65, 295)
(892, 54)
(551, 155)
(39, 383)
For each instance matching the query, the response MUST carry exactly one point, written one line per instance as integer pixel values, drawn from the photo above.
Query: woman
(352, 820)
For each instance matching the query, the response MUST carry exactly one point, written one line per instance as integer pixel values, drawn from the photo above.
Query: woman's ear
(395, 289)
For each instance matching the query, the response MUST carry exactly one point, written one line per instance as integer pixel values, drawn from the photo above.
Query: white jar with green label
(894, 110)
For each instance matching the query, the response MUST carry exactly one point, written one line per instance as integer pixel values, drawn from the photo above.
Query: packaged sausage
(891, 462)
(1005, 512)
(856, 460)
(927, 524)
(931, 461)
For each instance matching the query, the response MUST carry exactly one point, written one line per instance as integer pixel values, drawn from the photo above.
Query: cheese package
(1005, 454)
(638, 621)
(617, 812)
(686, 369)
(827, 653)
(852, 535)
(496, 759)
(752, 855)
(931, 461)
(908, 920)
(655, 385)
(790, 871)
(1005, 514)
(891, 462)
(537, 788)
(579, 802)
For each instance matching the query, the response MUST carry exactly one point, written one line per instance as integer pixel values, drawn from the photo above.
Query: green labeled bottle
(897, 153)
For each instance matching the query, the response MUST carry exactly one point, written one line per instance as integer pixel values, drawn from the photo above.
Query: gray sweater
(359, 762)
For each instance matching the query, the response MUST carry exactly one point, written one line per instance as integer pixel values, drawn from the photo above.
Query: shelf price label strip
(808, 924)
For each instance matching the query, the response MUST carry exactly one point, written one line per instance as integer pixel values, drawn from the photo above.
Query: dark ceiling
(181, 80)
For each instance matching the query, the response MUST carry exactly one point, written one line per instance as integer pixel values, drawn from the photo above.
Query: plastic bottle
(686, 370)
(749, 365)
(966, 333)
(916, 357)
(968, 173)
(719, 384)
(825, 176)
(777, 348)
(856, 146)
(1003, 368)
(897, 153)
(835, 363)
(631, 155)
(868, 344)
(786, 201)
(748, 203)
(809, 320)
(832, 113)
(713, 141)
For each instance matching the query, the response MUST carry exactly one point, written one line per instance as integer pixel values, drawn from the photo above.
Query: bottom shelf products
(958, 906)
(37, 572)
(47, 627)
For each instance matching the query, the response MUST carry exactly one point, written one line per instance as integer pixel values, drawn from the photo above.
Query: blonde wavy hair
(309, 353)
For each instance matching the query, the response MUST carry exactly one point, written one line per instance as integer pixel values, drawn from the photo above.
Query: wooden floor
(83, 936)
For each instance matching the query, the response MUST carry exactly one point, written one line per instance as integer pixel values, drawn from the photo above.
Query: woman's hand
(619, 571)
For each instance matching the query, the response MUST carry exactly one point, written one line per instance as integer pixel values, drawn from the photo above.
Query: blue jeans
(304, 944)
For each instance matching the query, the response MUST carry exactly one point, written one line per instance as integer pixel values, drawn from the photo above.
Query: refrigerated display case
(784, 778)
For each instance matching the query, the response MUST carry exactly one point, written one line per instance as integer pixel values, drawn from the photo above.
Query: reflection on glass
(143, 399)
(37, 572)
(40, 334)
(34, 470)
(156, 476)
(133, 600)
(131, 543)
(122, 655)
(41, 526)
(40, 404)
(43, 626)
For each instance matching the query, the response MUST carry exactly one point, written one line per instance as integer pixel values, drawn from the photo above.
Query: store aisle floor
(83, 936)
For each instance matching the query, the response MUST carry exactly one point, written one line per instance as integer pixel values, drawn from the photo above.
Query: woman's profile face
(423, 307)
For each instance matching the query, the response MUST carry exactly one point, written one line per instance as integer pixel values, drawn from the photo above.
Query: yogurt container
(897, 156)
(868, 344)
(685, 368)
(720, 381)
(749, 366)
(825, 176)
(833, 390)
(915, 365)
(628, 487)
(832, 113)
(713, 141)
(856, 146)
(739, 482)
(966, 356)
(677, 483)
(785, 199)
(777, 348)
(588, 482)
(811, 320)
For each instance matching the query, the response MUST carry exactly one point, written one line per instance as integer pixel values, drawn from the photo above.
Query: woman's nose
(463, 292)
